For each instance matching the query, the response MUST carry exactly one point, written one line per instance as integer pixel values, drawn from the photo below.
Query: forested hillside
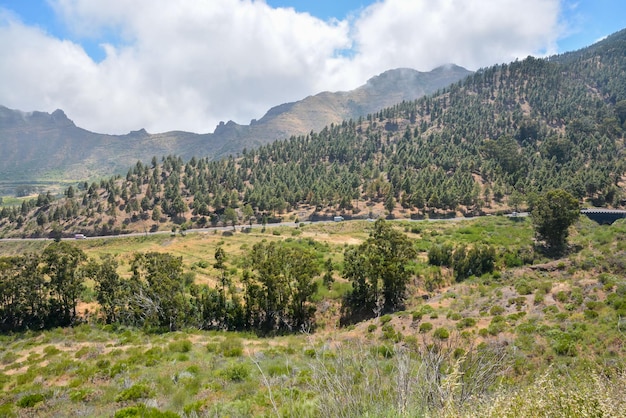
(41, 149)
(496, 138)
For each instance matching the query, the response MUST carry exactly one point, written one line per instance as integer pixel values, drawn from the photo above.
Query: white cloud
(473, 33)
(187, 64)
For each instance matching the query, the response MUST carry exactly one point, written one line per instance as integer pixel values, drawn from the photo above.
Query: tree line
(274, 293)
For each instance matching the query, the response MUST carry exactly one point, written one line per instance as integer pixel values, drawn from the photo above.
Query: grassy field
(537, 337)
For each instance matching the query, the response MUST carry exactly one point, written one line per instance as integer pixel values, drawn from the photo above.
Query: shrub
(231, 347)
(497, 325)
(180, 346)
(203, 264)
(564, 344)
(144, 412)
(441, 333)
(384, 351)
(50, 351)
(454, 316)
(80, 395)
(237, 372)
(561, 296)
(371, 328)
(389, 333)
(551, 309)
(466, 323)
(512, 260)
(384, 319)
(31, 400)
(523, 288)
(589, 314)
(137, 391)
(425, 327)
(496, 310)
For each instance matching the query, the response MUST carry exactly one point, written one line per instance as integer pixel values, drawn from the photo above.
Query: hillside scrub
(411, 362)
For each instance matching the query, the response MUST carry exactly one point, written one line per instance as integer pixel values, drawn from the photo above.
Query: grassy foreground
(537, 337)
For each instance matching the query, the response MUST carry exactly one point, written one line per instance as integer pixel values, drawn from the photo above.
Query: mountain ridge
(50, 146)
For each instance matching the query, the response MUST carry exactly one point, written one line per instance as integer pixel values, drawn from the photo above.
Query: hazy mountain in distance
(315, 112)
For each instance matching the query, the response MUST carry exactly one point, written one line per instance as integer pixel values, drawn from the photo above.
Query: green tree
(552, 215)
(285, 276)
(328, 278)
(390, 204)
(160, 298)
(378, 272)
(230, 215)
(61, 262)
(110, 290)
(515, 200)
(248, 213)
(23, 295)
(220, 265)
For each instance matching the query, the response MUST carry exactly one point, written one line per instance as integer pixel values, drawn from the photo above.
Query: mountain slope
(38, 146)
(492, 141)
(41, 146)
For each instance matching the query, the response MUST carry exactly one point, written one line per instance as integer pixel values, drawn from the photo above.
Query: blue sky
(119, 65)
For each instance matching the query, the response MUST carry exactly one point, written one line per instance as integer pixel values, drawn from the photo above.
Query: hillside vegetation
(497, 138)
(531, 336)
(41, 150)
(493, 316)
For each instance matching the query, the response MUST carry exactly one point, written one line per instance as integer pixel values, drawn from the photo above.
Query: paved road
(239, 227)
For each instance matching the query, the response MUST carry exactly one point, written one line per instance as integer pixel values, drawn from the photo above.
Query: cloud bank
(188, 64)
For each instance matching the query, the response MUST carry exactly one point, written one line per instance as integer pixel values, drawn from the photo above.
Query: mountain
(39, 147)
(494, 141)
(387, 89)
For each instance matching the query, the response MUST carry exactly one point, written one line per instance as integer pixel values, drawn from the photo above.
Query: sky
(115, 66)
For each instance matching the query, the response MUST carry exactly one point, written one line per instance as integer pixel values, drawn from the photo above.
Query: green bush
(237, 372)
(142, 411)
(441, 333)
(137, 391)
(180, 346)
(454, 316)
(50, 351)
(466, 323)
(371, 328)
(231, 347)
(80, 395)
(564, 344)
(389, 333)
(523, 288)
(551, 309)
(384, 351)
(425, 327)
(31, 400)
(497, 325)
(496, 310)
(562, 296)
